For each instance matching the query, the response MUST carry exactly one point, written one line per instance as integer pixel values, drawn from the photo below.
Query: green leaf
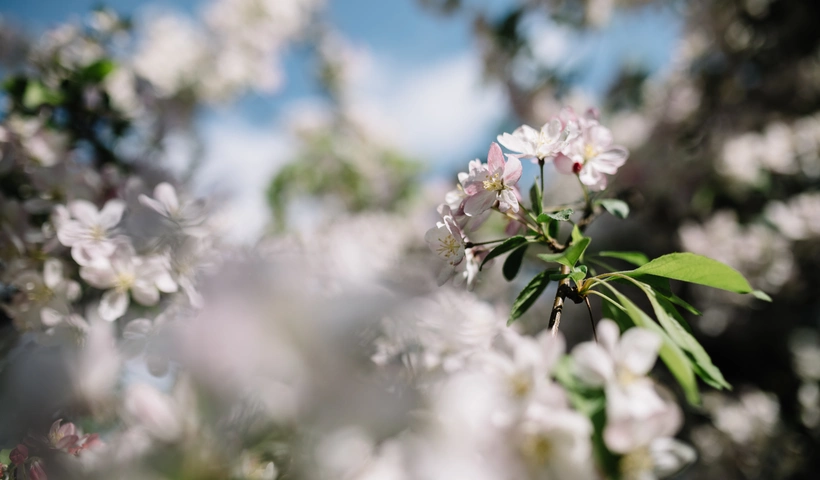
(576, 234)
(97, 71)
(692, 268)
(509, 244)
(37, 94)
(635, 258)
(535, 198)
(529, 295)
(568, 257)
(561, 215)
(513, 262)
(578, 273)
(672, 355)
(617, 208)
(761, 295)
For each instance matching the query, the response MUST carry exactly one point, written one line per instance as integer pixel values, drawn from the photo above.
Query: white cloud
(441, 112)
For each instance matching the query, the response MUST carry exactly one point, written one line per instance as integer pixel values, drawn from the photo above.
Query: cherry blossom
(86, 230)
(540, 145)
(592, 154)
(446, 241)
(492, 181)
(124, 271)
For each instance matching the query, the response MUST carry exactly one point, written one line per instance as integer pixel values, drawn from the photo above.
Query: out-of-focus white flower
(541, 145)
(172, 54)
(152, 410)
(86, 230)
(555, 443)
(799, 219)
(493, 181)
(592, 155)
(167, 204)
(636, 413)
(662, 458)
(124, 271)
(95, 371)
(753, 416)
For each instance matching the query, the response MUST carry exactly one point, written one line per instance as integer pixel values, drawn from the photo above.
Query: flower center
(448, 246)
(124, 282)
(634, 464)
(590, 151)
(521, 385)
(97, 232)
(538, 449)
(625, 377)
(494, 183)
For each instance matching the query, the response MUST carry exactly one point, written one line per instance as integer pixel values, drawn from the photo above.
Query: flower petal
(495, 158)
(111, 214)
(479, 203)
(113, 305)
(593, 365)
(52, 273)
(99, 275)
(512, 171)
(166, 194)
(638, 350)
(84, 211)
(564, 164)
(145, 293)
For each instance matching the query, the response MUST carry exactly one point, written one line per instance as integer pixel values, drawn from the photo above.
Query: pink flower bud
(19, 454)
(36, 471)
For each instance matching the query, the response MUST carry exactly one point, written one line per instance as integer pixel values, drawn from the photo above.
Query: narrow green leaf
(617, 208)
(553, 229)
(568, 257)
(97, 71)
(692, 268)
(529, 295)
(672, 355)
(509, 244)
(635, 258)
(37, 94)
(761, 295)
(513, 262)
(535, 198)
(561, 215)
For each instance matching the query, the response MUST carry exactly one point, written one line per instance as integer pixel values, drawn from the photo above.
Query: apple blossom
(124, 271)
(592, 154)
(446, 240)
(544, 144)
(88, 231)
(492, 181)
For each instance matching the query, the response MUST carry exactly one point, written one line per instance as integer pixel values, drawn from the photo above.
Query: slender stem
(541, 166)
(586, 192)
(591, 320)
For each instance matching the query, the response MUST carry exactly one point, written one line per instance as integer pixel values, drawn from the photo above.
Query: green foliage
(529, 295)
(635, 258)
(615, 207)
(561, 215)
(513, 262)
(507, 245)
(536, 199)
(692, 268)
(570, 256)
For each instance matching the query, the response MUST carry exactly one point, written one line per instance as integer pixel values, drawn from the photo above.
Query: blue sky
(422, 84)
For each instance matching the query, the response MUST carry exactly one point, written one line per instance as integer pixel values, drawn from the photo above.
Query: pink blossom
(63, 437)
(493, 181)
(19, 454)
(36, 471)
(592, 154)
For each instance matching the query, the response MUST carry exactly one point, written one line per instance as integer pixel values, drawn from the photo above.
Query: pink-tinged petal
(36, 472)
(592, 114)
(610, 160)
(589, 176)
(512, 171)
(156, 412)
(166, 194)
(479, 203)
(600, 137)
(52, 273)
(564, 164)
(111, 214)
(145, 293)
(66, 442)
(113, 305)
(638, 350)
(64, 429)
(85, 212)
(507, 201)
(495, 158)
(70, 232)
(592, 364)
(99, 275)
(552, 130)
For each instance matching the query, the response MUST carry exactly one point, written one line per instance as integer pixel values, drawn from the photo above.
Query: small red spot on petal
(576, 167)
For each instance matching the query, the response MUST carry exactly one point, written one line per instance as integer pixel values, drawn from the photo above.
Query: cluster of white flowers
(780, 148)
(238, 48)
